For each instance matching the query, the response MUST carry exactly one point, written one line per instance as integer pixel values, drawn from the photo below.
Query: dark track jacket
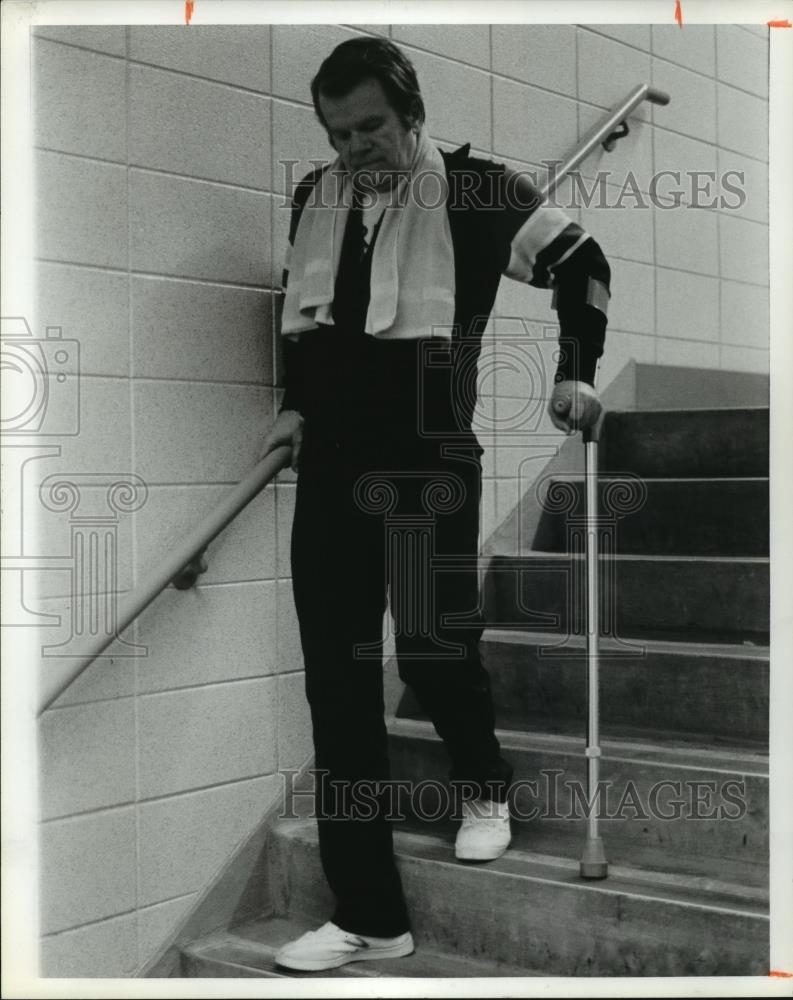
(499, 226)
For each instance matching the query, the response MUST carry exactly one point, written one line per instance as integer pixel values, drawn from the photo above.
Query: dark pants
(378, 508)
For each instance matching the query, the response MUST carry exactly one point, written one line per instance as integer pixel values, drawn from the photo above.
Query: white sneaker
(330, 946)
(484, 834)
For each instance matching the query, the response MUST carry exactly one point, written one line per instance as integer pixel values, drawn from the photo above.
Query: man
(385, 275)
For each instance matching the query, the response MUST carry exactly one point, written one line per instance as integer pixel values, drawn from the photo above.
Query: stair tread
(606, 644)
(252, 947)
(549, 554)
(527, 867)
(739, 880)
(677, 753)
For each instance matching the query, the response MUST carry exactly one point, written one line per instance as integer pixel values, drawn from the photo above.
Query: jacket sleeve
(547, 249)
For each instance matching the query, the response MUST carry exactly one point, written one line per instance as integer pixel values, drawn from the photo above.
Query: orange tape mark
(678, 13)
(780, 24)
(777, 973)
(188, 11)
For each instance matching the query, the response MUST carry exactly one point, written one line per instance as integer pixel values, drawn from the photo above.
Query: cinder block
(208, 635)
(79, 99)
(686, 239)
(631, 307)
(488, 519)
(282, 214)
(517, 299)
(300, 145)
(91, 307)
(507, 497)
(744, 315)
(194, 229)
(456, 98)
(542, 54)
(103, 444)
(686, 353)
(290, 653)
(238, 54)
(688, 305)
(298, 52)
(295, 743)
(214, 431)
(609, 70)
(87, 868)
(199, 129)
(753, 186)
(58, 533)
(637, 35)
(619, 349)
(243, 551)
(81, 211)
(743, 59)
(211, 333)
(106, 949)
(218, 820)
(743, 122)
(87, 758)
(531, 125)
(108, 38)
(622, 225)
(743, 249)
(157, 924)
(205, 736)
(684, 159)
(468, 43)
(483, 425)
(109, 676)
(693, 47)
(745, 359)
(285, 510)
(692, 109)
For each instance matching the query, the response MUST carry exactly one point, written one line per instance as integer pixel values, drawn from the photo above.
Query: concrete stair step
(694, 801)
(711, 517)
(696, 598)
(686, 443)
(535, 911)
(249, 952)
(739, 880)
(690, 691)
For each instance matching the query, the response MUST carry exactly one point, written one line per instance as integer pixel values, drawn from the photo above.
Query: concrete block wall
(155, 206)
(161, 222)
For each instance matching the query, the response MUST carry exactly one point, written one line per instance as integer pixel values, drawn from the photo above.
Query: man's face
(368, 134)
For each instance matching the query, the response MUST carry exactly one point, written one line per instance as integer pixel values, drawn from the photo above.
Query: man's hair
(365, 58)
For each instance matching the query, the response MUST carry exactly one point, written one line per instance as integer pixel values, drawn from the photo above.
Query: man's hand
(574, 406)
(287, 430)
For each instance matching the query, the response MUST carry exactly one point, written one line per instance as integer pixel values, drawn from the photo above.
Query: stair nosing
(573, 746)
(633, 882)
(731, 650)
(209, 948)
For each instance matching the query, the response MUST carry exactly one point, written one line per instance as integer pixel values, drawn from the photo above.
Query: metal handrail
(205, 531)
(603, 129)
(193, 543)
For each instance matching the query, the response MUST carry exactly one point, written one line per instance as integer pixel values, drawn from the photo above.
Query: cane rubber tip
(593, 861)
(593, 870)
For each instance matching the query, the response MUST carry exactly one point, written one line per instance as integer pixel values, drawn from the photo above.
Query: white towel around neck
(412, 279)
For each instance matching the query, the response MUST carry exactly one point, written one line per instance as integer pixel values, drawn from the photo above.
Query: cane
(593, 864)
